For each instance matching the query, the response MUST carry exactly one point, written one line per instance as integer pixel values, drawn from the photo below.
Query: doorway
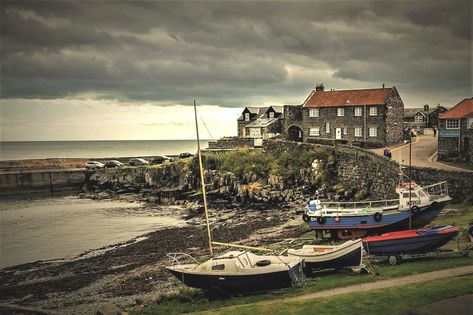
(294, 133)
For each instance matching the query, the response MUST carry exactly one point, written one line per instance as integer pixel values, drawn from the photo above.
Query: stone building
(420, 118)
(260, 122)
(369, 116)
(456, 132)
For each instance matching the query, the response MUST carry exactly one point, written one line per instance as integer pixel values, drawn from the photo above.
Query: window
(271, 115)
(358, 111)
(469, 124)
(345, 131)
(327, 127)
(419, 118)
(314, 132)
(314, 112)
(373, 131)
(218, 267)
(453, 124)
(373, 111)
(358, 132)
(340, 111)
(247, 116)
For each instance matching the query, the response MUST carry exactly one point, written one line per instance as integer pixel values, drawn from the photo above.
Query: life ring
(264, 262)
(321, 220)
(414, 209)
(377, 216)
(305, 217)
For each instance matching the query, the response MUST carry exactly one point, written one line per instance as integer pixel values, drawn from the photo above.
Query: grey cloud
(230, 53)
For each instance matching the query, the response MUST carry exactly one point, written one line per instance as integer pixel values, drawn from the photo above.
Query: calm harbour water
(20, 150)
(64, 227)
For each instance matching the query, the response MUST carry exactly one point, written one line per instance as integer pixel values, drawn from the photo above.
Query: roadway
(424, 153)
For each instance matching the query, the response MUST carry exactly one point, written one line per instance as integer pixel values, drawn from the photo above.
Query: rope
(210, 134)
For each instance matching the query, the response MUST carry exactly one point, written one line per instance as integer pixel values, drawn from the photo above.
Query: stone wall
(394, 118)
(231, 143)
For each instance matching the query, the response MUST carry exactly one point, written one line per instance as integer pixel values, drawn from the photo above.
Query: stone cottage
(420, 118)
(369, 116)
(456, 132)
(260, 122)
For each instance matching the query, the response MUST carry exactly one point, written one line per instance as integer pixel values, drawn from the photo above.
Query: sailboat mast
(410, 180)
(202, 180)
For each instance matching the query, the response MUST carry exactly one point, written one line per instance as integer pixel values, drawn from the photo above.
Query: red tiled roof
(347, 97)
(461, 110)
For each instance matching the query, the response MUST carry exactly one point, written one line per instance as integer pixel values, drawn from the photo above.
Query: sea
(21, 150)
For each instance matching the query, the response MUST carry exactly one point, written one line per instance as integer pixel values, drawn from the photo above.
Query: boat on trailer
(416, 206)
(318, 257)
(239, 271)
(410, 241)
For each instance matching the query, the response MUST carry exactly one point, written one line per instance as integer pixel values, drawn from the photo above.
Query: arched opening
(294, 133)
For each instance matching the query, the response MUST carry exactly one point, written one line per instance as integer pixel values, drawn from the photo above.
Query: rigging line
(210, 134)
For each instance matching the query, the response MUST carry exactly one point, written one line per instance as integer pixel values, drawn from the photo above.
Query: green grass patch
(384, 301)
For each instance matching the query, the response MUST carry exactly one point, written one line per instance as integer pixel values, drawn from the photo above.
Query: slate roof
(347, 97)
(261, 122)
(411, 112)
(464, 109)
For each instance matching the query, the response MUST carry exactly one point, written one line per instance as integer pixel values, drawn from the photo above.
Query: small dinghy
(239, 271)
(318, 257)
(410, 241)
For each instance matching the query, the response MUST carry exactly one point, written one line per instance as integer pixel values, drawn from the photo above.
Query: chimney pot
(319, 87)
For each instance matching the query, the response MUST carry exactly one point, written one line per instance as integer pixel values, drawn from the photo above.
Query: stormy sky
(76, 70)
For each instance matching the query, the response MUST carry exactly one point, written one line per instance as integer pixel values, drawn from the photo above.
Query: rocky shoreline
(131, 274)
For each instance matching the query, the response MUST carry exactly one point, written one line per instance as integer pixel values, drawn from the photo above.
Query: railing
(176, 258)
(436, 191)
(358, 206)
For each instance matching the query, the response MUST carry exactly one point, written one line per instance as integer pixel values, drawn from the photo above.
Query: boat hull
(393, 221)
(410, 241)
(241, 283)
(343, 257)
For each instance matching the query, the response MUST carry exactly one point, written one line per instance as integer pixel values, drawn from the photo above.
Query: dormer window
(247, 116)
(271, 115)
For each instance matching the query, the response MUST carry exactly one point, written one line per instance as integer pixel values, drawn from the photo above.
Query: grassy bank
(386, 301)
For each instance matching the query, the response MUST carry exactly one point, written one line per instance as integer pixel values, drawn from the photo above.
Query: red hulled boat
(410, 241)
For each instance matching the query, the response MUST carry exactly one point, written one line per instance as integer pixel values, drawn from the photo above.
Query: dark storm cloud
(229, 52)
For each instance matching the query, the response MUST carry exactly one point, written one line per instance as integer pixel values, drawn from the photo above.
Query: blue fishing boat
(415, 207)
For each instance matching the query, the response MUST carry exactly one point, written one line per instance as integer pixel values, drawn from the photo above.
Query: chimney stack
(383, 85)
(426, 108)
(319, 87)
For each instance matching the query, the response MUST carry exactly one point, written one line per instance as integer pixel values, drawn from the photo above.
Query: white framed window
(247, 116)
(271, 115)
(373, 111)
(314, 112)
(469, 123)
(327, 127)
(340, 111)
(419, 118)
(358, 111)
(314, 131)
(453, 123)
(373, 132)
(358, 132)
(345, 131)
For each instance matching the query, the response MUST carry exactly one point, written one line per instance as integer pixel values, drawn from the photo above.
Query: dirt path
(382, 284)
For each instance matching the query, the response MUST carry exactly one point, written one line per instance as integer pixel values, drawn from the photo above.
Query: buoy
(337, 219)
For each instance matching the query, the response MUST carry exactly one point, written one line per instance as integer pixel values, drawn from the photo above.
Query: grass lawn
(385, 301)
(190, 300)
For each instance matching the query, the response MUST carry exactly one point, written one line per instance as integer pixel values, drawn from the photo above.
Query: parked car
(161, 159)
(138, 162)
(185, 155)
(93, 165)
(113, 164)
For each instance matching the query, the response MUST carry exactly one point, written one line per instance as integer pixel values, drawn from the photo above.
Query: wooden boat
(240, 271)
(415, 207)
(410, 241)
(318, 257)
(235, 271)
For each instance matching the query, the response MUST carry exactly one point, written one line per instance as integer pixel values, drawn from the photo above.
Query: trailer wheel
(305, 218)
(394, 260)
(321, 220)
(414, 209)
